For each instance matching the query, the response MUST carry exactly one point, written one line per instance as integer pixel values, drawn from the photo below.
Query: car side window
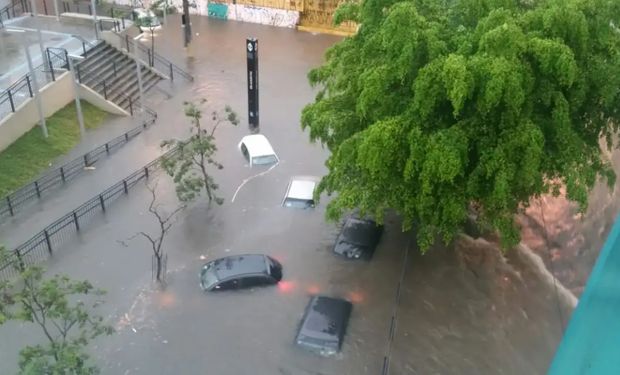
(252, 281)
(230, 284)
(244, 151)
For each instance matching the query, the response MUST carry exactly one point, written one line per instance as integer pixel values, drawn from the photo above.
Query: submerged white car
(300, 192)
(257, 150)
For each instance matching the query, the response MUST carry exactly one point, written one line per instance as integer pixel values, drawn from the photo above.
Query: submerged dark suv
(324, 324)
(240, 271)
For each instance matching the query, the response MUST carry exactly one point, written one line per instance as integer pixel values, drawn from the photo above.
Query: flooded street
(462, 310)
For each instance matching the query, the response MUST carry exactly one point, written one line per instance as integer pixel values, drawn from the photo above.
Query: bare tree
(165, 221)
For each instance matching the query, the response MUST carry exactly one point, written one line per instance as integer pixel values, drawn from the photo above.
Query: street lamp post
(140, 88)
(93, 5)
(35, 13)
(35, 83)
(76, 88)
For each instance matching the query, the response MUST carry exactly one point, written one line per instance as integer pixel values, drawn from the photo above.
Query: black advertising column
(252, 50)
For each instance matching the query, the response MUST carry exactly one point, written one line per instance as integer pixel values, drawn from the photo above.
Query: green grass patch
(32, 154)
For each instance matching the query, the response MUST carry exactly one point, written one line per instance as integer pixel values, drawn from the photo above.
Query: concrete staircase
(113, 74)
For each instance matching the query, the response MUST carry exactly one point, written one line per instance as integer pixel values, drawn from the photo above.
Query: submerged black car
(240, 271)
(358, 238)
(324, 324)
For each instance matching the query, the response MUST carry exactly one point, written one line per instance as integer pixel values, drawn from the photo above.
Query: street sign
(252, 54)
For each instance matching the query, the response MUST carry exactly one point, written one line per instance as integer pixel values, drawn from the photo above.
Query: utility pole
(140, 88)
(165, 12)
(33, 5)
(76, 88)
(93, 5)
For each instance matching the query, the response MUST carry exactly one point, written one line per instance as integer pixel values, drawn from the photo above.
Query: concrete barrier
(54, 96)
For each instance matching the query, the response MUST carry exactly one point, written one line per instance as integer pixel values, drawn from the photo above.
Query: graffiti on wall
(218, 10)
(265, 16)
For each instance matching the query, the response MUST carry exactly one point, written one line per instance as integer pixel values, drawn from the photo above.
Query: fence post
(29, 85)
(107, 148)
(125, 187)
(36, 188)
(105, 90)
(75, 220)
(77, 67)
(102, 202)
(11, 99)
(126, 136)
(49, 243)
(171, 76)
(127, 42)
(8, 201)
(49, 61)
(130, 106)
(86, 160)
(148, 53)
(62, 173)
(146, 172)
(84, 48)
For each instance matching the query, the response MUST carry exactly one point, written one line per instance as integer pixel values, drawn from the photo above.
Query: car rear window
(298, 203)
(264, 160)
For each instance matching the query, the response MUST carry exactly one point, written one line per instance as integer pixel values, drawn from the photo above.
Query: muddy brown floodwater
(464, 309)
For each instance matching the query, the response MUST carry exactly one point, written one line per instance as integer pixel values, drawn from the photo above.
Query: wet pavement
(463, 310)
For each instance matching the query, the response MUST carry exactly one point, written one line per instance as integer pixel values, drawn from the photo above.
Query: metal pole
(33, 4)
(78, 104)
(187, 29)
(140, 88)
(37, 95)
(56, 10)
(93, 6)
(165, 12)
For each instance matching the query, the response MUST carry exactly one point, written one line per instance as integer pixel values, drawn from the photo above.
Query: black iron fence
(45, 243)
(22, 89)
(11, 204)
(14, 9)
(154, 60)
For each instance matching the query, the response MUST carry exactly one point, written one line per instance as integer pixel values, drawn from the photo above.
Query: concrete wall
(238, 12)
(54, 96)
(264, 16)
(94, 98)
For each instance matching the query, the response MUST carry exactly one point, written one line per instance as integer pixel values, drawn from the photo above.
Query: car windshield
(298, 203)
(208, 277)
(264, 160)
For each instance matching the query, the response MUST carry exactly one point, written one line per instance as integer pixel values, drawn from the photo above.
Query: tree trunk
(158, 265)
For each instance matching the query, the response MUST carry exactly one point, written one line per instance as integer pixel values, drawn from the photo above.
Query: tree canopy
(437, 108)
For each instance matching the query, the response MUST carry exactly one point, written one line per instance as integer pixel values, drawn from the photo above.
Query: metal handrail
(154, 56)
(101, 82)
(10, 9)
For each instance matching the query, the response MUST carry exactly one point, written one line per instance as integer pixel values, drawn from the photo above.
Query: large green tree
(437, 108)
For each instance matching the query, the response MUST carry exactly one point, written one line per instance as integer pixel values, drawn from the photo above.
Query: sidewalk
(13, 63)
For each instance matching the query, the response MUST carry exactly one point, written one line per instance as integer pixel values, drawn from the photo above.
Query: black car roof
(326, 318)
(235, 265)
(363, 232)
